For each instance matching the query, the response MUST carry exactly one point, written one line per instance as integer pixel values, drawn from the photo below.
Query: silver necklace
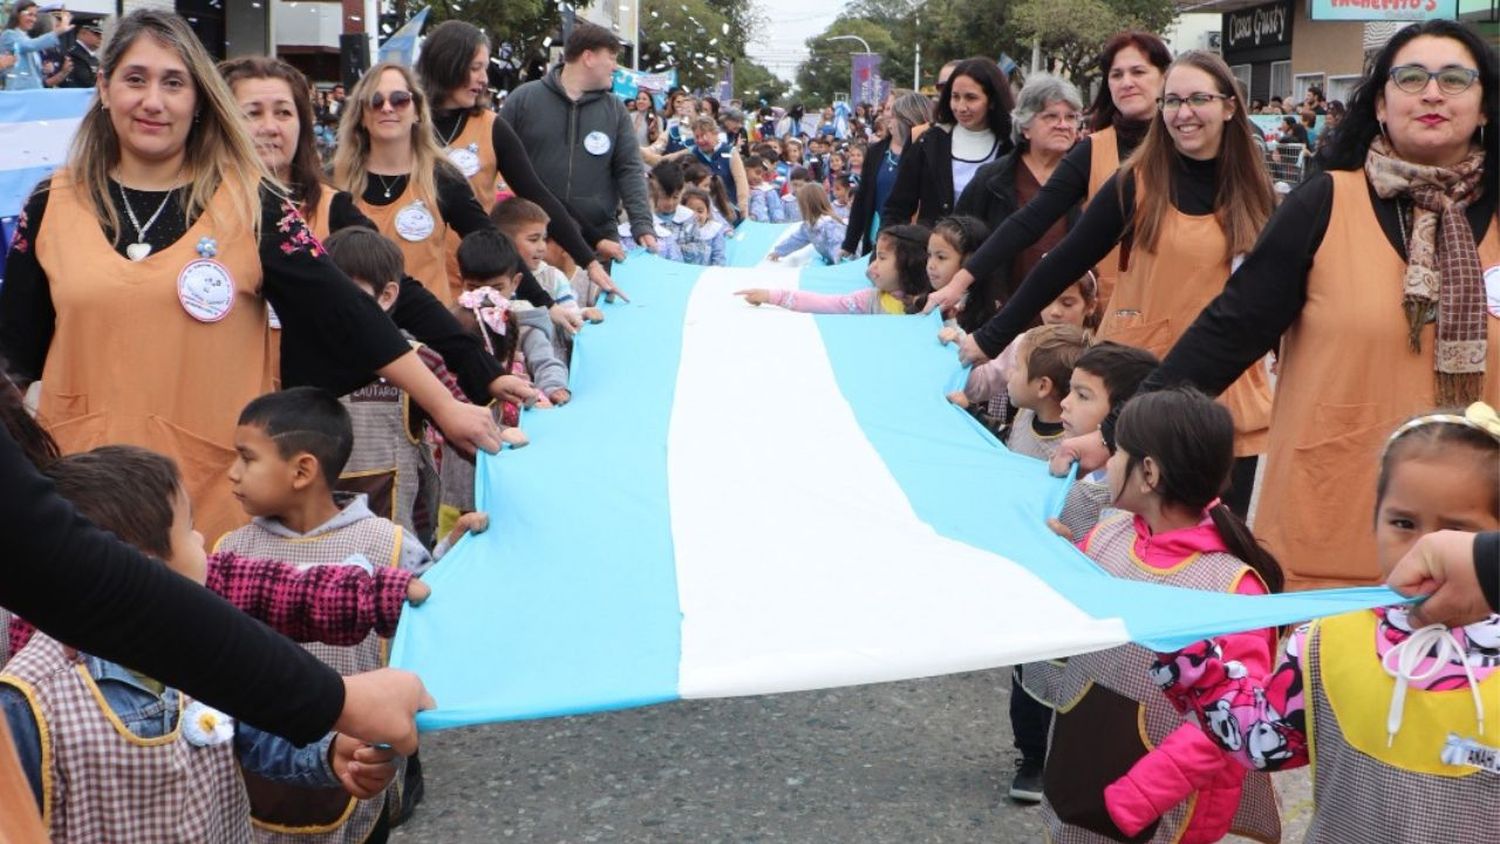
(388, 187)
(448, 141)
(140, 249)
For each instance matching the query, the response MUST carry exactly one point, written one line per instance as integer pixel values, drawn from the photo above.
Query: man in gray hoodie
(582, 143)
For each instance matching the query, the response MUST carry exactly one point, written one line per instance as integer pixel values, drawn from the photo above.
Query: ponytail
(1243, 544)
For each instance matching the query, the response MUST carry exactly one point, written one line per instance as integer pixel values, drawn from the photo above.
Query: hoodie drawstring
(1409, 655)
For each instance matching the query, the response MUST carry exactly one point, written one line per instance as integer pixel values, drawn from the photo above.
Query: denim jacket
(26, 73)
(147, 714)
(826, 235)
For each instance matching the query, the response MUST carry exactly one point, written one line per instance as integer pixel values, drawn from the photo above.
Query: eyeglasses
(1172, 102)
(398, 100)
(1052, 118)
(1452, 79)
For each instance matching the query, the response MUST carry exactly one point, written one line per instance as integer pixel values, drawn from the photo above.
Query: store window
(1242, 73)
(1304, 81)
(1341, 88)
(1281, 80)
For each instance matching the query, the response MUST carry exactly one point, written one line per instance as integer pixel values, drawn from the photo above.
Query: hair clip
(1479, 416)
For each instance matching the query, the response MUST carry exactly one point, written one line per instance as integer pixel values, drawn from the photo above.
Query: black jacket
(924, 183)
(862, 211)
(85, 70)
(991, 196)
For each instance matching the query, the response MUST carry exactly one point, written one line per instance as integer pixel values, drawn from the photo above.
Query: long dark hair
(444, 63)
(1152, 47)
(1001, 102)
(910, 243)
(1349, 141)
(305, 179)
(35, 442)
(1436, 433)
(1190, 437)
(14, 21)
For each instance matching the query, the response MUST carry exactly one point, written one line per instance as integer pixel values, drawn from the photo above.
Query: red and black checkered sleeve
(334, 604)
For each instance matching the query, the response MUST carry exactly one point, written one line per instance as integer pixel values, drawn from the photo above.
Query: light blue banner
(1381, 10)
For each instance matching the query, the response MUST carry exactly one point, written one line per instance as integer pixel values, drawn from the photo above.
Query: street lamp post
(862, 42)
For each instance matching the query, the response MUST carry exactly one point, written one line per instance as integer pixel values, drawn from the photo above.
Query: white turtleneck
(971, 150)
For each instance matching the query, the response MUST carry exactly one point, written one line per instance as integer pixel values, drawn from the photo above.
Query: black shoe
(1027, 785)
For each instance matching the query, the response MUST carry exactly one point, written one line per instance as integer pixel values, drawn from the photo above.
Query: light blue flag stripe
(585, 615)
(751, 242)
(36, 128)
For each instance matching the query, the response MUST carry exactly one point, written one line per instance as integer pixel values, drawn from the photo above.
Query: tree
(756, 86)
(745, 20)
(827, 69)
(1071, 31)
(688, 35)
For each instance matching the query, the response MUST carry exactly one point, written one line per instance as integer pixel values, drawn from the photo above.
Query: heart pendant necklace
(140, 249)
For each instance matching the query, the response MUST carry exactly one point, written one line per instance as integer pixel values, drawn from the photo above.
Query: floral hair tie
(489, 307)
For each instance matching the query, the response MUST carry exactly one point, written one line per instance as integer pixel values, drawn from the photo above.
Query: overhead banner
(865, 83)
(1381, 10)
(742, 501)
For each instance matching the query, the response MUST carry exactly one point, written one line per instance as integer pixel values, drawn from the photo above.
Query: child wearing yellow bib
(1391, 718)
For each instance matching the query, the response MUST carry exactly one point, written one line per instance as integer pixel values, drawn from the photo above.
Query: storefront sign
(1381, 10)
(1258, 27)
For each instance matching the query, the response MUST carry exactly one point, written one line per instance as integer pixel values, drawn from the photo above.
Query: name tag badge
(206, 290)
(414, 222)
(1492, 290)
(597, 143)
(1467, 753)
(466, 159)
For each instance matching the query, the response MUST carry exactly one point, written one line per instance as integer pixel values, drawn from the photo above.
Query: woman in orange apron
(1380, 280)
(273, 96)
(137, 286)
(1132, 64)
(1193, 196)
(454, 71)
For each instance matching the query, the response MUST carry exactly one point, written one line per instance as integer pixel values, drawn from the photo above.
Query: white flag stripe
(800, 562)
(40, 143)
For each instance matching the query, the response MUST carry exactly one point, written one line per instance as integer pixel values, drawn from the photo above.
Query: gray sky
(791, 22)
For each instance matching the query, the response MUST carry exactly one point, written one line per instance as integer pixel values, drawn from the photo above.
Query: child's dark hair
(366, 256)
(909, 241)
(696, 171)
(126, 490)
(1122, 369)
(699, 194)
(517, 211)
(486, 253)
(35, 442)
(962, 232)
(842, 179)
(1435, 433)
(668, 177)
(305, 419)
(1190, 438)
(799, 174)
(1051, 352)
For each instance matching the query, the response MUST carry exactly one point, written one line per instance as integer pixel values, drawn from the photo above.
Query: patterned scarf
(1444, 281)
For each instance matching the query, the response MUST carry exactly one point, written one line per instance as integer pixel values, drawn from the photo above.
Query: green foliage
(1072, 31)
(755, 85)
(826, 71)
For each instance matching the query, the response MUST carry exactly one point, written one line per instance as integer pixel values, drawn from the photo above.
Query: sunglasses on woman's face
(397, 99)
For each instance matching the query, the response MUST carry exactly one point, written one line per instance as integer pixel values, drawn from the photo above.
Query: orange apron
(472, 151)
(1347, 379)
(1104, 161)
(424, 256)
(1160, 294)
(129, 364)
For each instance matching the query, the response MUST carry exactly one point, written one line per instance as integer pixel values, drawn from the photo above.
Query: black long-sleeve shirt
(1067, 187)
(1103, 224)
(1487, 566)
(334, 337)
(423, 315)
(82, 586)
(521, 177)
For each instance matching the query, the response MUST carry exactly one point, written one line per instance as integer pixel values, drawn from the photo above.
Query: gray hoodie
(584, 150)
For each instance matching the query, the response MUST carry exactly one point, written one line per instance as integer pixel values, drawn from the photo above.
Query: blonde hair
(218, 149)
(813, 202)
(352, 157)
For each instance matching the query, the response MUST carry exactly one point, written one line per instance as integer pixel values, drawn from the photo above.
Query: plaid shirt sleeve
(336, 604)
(439, 368)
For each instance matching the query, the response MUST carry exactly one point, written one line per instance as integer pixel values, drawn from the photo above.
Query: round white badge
(272, 319)
(206, 290)
(466, 159)
(597, 143)
(1492, 290)
(414, 222)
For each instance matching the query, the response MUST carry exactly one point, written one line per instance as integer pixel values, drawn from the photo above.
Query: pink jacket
(1188, 761)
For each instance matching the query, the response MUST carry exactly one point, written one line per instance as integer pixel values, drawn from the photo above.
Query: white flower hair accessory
(489, 308)
(204, 726)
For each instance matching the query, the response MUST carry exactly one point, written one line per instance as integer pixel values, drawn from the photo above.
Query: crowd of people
(286, 322)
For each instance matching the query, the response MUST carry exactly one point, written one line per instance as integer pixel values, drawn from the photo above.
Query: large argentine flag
(35, 130)
(743, 501)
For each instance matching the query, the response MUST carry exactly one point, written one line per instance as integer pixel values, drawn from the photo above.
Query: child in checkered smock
(113, 755)
(1395, 708)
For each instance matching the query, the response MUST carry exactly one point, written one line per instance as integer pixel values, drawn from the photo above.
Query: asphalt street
(918, 761)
